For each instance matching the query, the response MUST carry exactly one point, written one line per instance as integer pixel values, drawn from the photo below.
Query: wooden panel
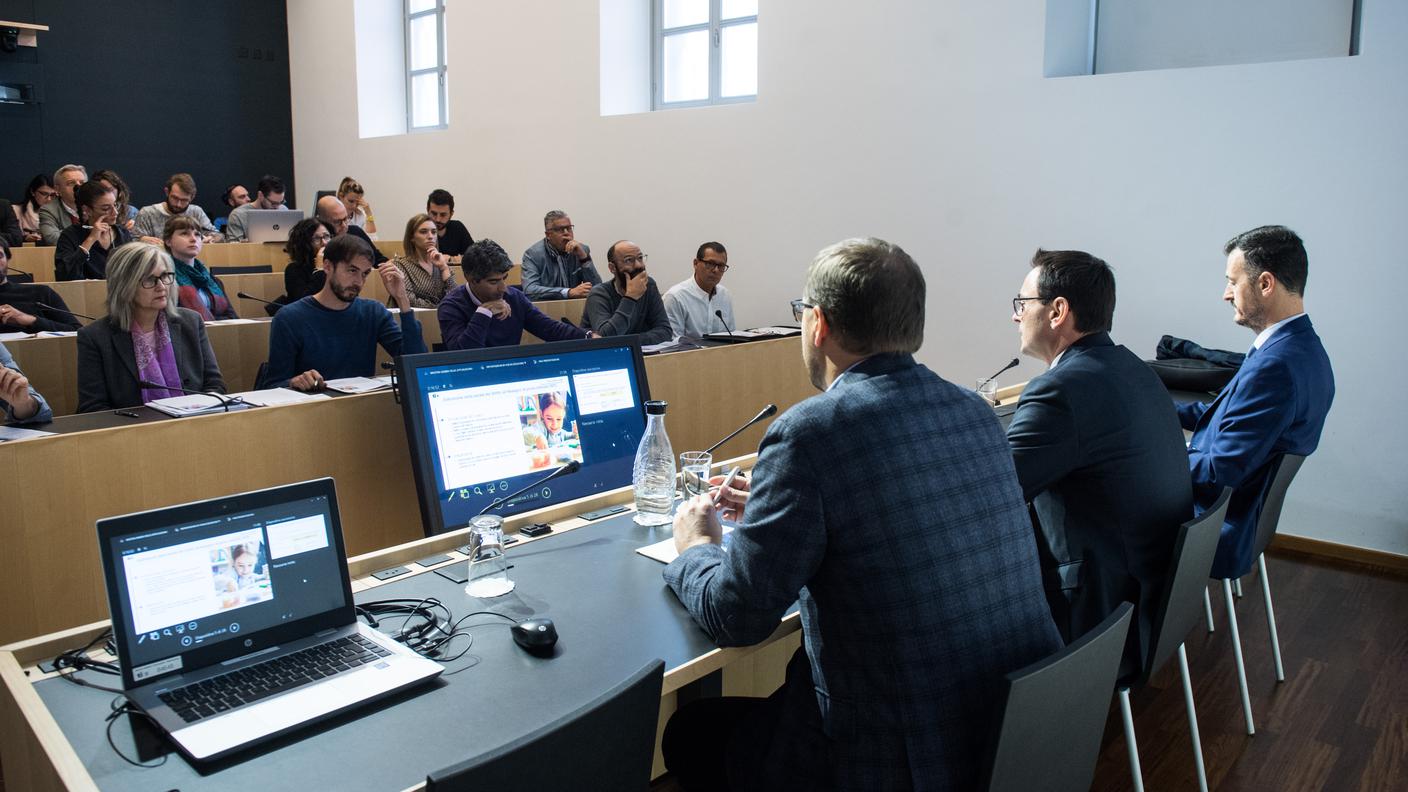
(36, 261)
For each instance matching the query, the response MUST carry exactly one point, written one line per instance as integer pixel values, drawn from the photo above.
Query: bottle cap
(655, 407)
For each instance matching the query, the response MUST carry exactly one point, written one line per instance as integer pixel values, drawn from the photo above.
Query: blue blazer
(1276, 404)
(888, 509)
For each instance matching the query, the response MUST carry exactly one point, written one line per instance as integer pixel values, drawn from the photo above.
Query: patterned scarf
(156, 360)
(199, 291)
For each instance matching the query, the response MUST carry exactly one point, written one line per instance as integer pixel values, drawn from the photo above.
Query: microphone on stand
(224, 400)
(719, 313)
(1002, 370)
(17, 270)
(244, 296)
(567, 469)
(767, 412)
(64, 310)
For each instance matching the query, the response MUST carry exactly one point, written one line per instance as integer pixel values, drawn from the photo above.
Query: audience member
(180, 192)
(304, 274)
(359, 212)
(331, 211)
(19, 401)
(23, 305)
(145, 337)
(1099, 453)
(558, 267)
(487, 312)
(694, 305)
(37, 193)
(61, 212)
(454, 238)
(126, 212)
(83, 250)
(630, 302)
(234, 197)
(196, 288)
(1276, 402)
(428, 272)
(897, 683)
(10, 230)
(334, 333)
(269, 195)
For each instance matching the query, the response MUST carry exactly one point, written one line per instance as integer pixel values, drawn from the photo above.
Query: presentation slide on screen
(297, 536)
(191, 581)
(604, 391)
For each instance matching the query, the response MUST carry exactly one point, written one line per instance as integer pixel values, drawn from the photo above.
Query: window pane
(685, 67)
(738, 66)
(425, 100)
(419, 5)
(739, 8)
(425, 46)
(679, 13)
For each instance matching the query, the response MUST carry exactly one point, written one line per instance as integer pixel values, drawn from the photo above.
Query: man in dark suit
(1275, 404)
(905, 544)
(1099, 453)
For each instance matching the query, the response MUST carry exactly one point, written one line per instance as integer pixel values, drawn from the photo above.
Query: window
(706, 52)
(425, 65)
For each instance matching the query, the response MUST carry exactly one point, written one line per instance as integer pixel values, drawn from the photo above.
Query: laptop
(234, 619)
(270, 225)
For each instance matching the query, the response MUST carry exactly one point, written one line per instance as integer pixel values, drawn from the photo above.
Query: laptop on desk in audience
(234, 620)
(270, 225)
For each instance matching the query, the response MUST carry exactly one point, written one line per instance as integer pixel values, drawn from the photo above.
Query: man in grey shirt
(558, 267)
(630, 302)
(269, 196)
(180, 191)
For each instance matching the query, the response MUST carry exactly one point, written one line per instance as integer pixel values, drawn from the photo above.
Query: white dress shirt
(691, 309)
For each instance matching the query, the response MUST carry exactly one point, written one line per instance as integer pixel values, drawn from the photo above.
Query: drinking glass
(488, 570)
(694, 472)
(988, 390)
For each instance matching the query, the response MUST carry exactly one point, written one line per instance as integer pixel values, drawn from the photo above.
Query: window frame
(439, 69)
(715, 26)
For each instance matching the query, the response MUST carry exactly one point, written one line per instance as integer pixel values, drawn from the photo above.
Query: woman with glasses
(146, 348)
(39, 192)
(429, 275)
(83, 248)
(304, 274)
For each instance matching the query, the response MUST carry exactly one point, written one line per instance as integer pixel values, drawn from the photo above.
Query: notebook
(234, 620)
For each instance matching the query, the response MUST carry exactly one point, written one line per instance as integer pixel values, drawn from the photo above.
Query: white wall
(930, 124)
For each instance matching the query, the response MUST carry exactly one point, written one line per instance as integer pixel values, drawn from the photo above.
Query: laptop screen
(200, 583)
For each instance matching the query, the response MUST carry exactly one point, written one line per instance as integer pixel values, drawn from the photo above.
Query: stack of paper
(277, 396)
(357, 384)
(195, 404)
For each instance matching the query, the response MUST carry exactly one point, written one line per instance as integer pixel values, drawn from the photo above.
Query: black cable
(121, 706)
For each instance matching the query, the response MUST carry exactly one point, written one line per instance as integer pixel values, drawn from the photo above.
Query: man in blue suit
(1099, 453)
(1276, 403)
(903, 538)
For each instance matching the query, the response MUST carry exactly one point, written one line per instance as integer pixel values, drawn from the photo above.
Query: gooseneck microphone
(244, 296)
(64, 310)
(567, 469)
(719, 313)
(224, 400)
(767, 412)
(1002, 370)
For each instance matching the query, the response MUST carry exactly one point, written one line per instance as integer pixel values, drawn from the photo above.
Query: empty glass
(988, 390)
(488, 569)
(694, 472)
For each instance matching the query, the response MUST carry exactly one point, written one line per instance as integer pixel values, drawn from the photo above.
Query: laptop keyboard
(271, 677)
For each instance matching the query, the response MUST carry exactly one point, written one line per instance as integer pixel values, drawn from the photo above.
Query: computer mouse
(537, 636)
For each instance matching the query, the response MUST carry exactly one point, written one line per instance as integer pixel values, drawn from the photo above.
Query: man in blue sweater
(333, 334)
(486, 312)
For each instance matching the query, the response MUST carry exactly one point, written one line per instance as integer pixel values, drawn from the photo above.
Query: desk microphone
(64, 310)
(567, 469)
(244, 296)
(18, 271)
(1005, 368)
(224, 400)
(719, 313)
(767, 412)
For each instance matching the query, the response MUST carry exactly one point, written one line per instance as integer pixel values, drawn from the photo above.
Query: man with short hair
(630, 302)
(334, 333)
(558, 267)
(19, 401)
(30, 307)
(452, 238)
(270, 195)
(1099, 453)
(1277, 401)
(61, 212)
(700, 305)
(906, 637)
(180, 192)
(333, 212)
(487, 312)
(235, 196)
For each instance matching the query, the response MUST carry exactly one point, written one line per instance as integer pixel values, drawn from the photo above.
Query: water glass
(694, 472)
(988, 390)
(488, 569)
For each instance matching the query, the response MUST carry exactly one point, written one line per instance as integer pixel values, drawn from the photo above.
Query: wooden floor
(1338, 722)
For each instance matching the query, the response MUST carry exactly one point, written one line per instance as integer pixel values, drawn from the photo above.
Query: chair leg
(1237, 587)
(1207, 606)
(1192, 719)
(1128, 718)
(1270, 617)
(1237, 654)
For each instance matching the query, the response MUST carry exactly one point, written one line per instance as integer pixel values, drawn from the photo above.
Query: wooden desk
(58, 487)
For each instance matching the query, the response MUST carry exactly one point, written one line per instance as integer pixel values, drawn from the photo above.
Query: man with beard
(22, 305)
(270, 195)
(630, 302)
(452, 238)
(334, 333)
(180, 192)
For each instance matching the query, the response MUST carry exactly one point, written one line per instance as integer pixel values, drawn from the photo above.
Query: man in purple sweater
(486, 312)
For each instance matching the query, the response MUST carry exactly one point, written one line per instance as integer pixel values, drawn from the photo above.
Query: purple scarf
(156, 360)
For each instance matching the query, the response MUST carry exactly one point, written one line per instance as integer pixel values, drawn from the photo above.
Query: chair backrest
(241, 269)
(607, 744)
(260, 375)
(1281, 476)
(1180, 606)
(1054, 713)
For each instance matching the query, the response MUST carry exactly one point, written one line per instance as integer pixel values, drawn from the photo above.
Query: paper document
(236, 321)
(194, 404)
(276, 396)
(13, 433)
(60, 333)
(664, 550)
(357, 384)
(15, 336)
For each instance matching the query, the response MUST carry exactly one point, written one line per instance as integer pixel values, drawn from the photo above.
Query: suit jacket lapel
(122, 345)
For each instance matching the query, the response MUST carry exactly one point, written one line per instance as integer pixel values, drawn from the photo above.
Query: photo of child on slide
(549, 438)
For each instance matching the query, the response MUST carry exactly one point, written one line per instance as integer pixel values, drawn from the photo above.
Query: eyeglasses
(631, 261)
(322, 237)
(165, 279)
(46, 196)
(1019, 304)
(716, 266)
(798, 307)
(561, 229)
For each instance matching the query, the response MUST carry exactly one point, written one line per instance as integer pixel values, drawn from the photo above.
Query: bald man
(331, 211)
(629, 303)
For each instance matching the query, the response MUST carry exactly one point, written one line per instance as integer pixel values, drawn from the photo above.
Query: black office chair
(1054, 713)
(260, 375)
(607, 744)
(1176, 616)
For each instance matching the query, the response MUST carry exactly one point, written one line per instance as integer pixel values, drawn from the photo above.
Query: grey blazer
(53, 219)
(107, 365)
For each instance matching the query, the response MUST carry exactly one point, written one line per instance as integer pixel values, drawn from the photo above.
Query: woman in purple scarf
(146, 348)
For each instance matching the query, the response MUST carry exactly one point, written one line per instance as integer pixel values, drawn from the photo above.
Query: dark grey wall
(149, 89)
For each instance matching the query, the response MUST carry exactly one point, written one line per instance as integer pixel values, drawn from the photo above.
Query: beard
(347, 294)
(1251, 315)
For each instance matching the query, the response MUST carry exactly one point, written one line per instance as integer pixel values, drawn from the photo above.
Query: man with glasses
(61, 212)
(629, 303)
(558, 267)
(700, 305)
(332, 211)
(1099, 453)
(180, 191)
(268, 195)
